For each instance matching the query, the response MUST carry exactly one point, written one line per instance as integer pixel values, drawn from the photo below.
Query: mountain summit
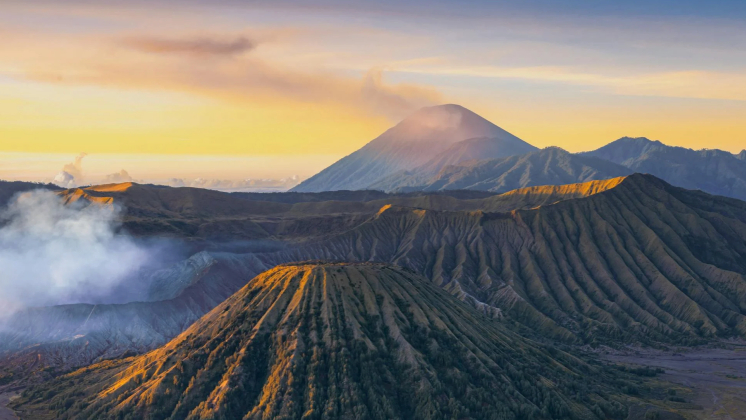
(411, 143)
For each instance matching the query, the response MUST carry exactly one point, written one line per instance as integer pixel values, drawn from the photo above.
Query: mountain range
(477, 155)
(550, 166)
(711, 170)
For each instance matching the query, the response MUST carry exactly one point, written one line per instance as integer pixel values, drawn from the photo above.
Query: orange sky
(282, 84)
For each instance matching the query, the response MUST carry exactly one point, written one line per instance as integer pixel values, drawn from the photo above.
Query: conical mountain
(411, 143)
(337, 341)
(742, 155)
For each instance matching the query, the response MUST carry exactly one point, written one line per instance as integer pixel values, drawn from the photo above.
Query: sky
(233, 89)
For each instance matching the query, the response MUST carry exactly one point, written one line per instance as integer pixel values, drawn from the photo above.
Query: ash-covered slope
(643, 260)
(550, 166)
(411, 143)
(713, 171)
(336, 341)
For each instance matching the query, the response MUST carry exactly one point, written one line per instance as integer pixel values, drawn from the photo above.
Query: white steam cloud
(52, 253)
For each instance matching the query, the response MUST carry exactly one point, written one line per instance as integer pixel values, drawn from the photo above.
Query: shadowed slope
(409, 144)
(337, 341)
(8, 189)
(550, 166)
(468, 150)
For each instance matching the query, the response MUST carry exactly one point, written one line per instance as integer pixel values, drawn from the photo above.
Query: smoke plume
(51, 253)
(71, 174)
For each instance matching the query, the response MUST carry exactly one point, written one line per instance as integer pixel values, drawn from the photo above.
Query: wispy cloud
(676, 84)
(222, 66)
(199, 46)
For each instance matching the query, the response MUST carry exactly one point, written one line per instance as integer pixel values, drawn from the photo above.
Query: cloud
(673, 84)
(198, 46)
(117, 177)
(53, 254)
(397, 101)
(71, 174)
(187, 64)
(243, 185)
(76, 167)
(64, 179)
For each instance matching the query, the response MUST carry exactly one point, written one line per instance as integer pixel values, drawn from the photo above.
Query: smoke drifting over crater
(51, 253)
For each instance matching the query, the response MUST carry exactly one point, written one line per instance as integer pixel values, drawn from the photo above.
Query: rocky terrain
(331, 340)
(628, 259)
(643, 259)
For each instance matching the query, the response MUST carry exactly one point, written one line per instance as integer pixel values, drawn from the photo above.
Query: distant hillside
(712, 171)
(199, 214)
(411, 143)
(8, 189)
(360, 196)
(338, 341)
(550, 166)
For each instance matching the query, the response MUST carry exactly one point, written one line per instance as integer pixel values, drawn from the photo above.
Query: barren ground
(713, 381)
(5, 412)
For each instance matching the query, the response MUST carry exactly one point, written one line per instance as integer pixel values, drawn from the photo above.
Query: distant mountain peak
(409, 144)
(448, 123)
(636, 140)
(711, 170)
